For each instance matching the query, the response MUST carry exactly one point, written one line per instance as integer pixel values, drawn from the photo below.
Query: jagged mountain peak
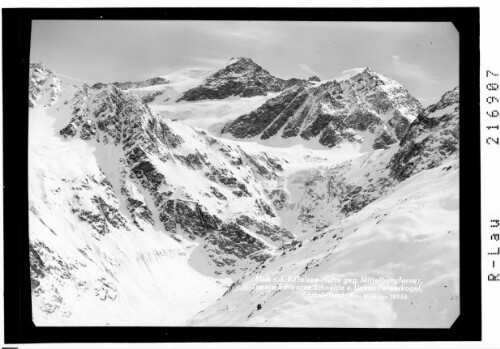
(241, 60)
(314, 78)
(42, 79)
(366, 74)
(240, 77)
(447, 104)
(108, 115)
(451, 96)
(350, 73)
(101, 85)
(361, 106)
(358, 74)
(240, 66)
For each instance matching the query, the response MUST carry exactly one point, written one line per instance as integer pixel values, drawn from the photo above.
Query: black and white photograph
(244, 173)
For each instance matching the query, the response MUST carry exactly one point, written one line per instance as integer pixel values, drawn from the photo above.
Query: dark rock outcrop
(431, 139)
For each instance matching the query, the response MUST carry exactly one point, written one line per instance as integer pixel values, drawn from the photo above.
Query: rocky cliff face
(241, 77)
(150, 147)
(364, 108)
(145, 174)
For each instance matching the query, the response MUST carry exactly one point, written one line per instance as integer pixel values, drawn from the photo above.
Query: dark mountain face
(241, 77)
(333, 112)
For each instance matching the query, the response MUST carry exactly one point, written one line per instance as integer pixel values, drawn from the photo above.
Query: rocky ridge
(40, 77)
(105, 115)
(365, 106)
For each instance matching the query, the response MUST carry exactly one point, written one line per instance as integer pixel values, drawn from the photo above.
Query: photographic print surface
(244, 173)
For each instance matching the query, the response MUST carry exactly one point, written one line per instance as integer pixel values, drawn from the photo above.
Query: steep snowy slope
(389, 219)
(411, 233)
(123, 205)
(196, 183)
(93, 262)
(365, 108)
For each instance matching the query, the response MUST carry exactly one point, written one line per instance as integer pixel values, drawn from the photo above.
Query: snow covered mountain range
(162, 202)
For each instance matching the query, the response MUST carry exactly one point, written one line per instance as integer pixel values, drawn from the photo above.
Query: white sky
(422, 56)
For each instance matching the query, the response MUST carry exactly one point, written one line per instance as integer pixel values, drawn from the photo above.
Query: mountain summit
(240, 77)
